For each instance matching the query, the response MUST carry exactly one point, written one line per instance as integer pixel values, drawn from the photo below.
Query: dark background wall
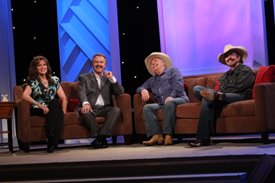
(139, 36)
(35, 33)
(270, 30)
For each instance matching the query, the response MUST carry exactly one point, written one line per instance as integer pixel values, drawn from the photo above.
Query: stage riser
(97, 170)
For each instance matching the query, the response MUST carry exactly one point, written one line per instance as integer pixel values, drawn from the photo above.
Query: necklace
(44, 82)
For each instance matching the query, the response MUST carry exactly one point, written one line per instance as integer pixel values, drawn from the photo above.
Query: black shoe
(200, 143)
(104, 143)
(50, 144)
(50, 148)
(96, 143)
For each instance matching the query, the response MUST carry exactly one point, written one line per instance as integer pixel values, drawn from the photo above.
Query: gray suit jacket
(89, 90)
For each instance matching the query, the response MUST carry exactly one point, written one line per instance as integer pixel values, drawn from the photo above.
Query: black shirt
(239, 80)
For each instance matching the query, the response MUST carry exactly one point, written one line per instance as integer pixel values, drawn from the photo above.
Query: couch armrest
(17, 94)
(23, 121)
(123, 101)
(265, 104)
(138, 107)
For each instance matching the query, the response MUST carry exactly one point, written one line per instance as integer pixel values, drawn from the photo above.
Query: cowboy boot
(156, 139)
(168, 140)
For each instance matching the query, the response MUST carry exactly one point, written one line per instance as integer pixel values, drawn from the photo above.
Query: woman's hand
(44, 108)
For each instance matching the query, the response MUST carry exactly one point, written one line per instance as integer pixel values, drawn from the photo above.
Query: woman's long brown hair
(33, 74)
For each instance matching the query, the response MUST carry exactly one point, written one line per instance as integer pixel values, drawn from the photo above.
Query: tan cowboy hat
(240, 49)
(165, 58)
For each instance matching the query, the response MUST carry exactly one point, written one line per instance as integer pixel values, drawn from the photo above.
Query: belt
(99, 106)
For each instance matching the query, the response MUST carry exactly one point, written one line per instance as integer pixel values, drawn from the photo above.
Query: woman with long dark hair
(43, 91)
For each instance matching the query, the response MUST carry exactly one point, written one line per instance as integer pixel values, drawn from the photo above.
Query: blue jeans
(169, 114)
(211, 110)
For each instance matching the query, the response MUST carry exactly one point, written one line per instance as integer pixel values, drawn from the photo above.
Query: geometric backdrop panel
(83, 30)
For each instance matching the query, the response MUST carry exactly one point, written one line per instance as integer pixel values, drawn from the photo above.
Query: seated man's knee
(170, 103)
(170, 106)
(197, 89)
(88, 115)
(146, 108)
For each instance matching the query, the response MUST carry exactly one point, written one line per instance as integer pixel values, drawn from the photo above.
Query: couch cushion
(72, 104)
(241, 108)
(209, 81)
(190, 82)
(74, 88)
(37, 121)
(66, 88)
(212, 81)
(217, 85)
(71, 118)
(70, 89)
(264, 75)
(188, 110)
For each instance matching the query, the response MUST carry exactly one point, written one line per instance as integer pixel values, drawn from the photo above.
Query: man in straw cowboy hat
(235, 85)
(166, 84)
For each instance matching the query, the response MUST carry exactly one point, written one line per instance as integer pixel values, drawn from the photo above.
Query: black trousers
(54, 120)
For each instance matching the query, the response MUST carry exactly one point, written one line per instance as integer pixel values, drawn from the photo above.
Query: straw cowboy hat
(165, 58)
(240, 49)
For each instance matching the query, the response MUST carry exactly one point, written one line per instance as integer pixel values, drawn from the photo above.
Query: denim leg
(206, 119)
(197, 89)
(210, 110)
(232, 97)
(151, 122)
(229, 97)
(169, 112)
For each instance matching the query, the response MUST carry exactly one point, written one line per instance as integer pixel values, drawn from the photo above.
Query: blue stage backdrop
(7, 69)
(85, 28)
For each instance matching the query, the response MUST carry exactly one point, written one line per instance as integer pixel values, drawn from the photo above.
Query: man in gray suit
(95, 94)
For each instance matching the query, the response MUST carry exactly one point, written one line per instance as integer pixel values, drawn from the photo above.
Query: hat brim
(241, 50)
(165, 58)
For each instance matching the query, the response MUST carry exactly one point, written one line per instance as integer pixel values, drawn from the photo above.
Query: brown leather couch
(244, 117)
(31, 129)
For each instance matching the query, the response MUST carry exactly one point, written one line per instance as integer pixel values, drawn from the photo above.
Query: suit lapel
(103, 81)
(94, 80)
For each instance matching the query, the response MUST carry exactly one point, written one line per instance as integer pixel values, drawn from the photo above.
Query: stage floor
(82, 152)
(231, 159)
